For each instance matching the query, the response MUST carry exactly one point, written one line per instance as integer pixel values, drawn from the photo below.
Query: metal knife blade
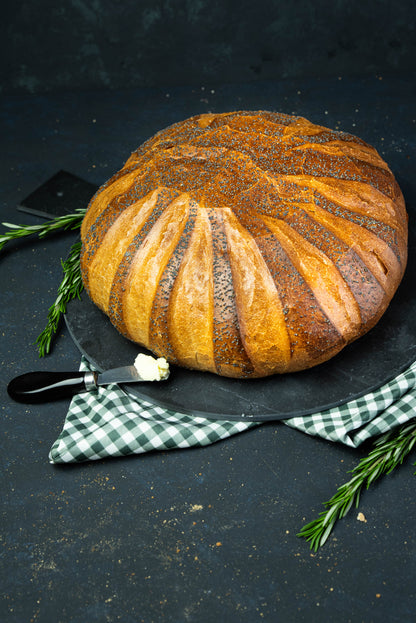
(126, 374)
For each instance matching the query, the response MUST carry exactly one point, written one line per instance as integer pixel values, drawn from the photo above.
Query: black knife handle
(36, 387)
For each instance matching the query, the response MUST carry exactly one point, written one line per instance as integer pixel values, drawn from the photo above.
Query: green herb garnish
(71, 285)
(69, 221)
(389, 451)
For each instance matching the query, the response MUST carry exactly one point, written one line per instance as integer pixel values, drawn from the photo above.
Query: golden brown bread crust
(246, 243)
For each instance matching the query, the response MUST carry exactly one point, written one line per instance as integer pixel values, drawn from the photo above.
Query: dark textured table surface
(191, 535)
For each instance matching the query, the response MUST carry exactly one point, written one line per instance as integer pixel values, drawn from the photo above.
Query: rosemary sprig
(69, 221)
(389, 451)
(70, 287)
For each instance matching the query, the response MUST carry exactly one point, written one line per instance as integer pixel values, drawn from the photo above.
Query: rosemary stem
(68, 221)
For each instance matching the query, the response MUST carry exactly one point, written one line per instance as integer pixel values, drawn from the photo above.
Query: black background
(80, 44)
(201, 535)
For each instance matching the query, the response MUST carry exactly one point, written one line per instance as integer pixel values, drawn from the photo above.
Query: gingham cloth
(108, 422)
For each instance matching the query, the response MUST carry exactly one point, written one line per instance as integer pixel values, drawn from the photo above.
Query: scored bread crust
(246, 243)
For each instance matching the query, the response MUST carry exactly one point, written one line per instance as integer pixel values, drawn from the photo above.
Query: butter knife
(37, 387)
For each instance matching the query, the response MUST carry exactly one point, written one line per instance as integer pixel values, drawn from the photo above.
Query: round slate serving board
(361, 367)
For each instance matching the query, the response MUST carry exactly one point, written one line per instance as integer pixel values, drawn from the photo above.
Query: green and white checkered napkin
(109, 422)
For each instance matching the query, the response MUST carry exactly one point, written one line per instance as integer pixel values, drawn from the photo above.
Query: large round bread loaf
(246, 244)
